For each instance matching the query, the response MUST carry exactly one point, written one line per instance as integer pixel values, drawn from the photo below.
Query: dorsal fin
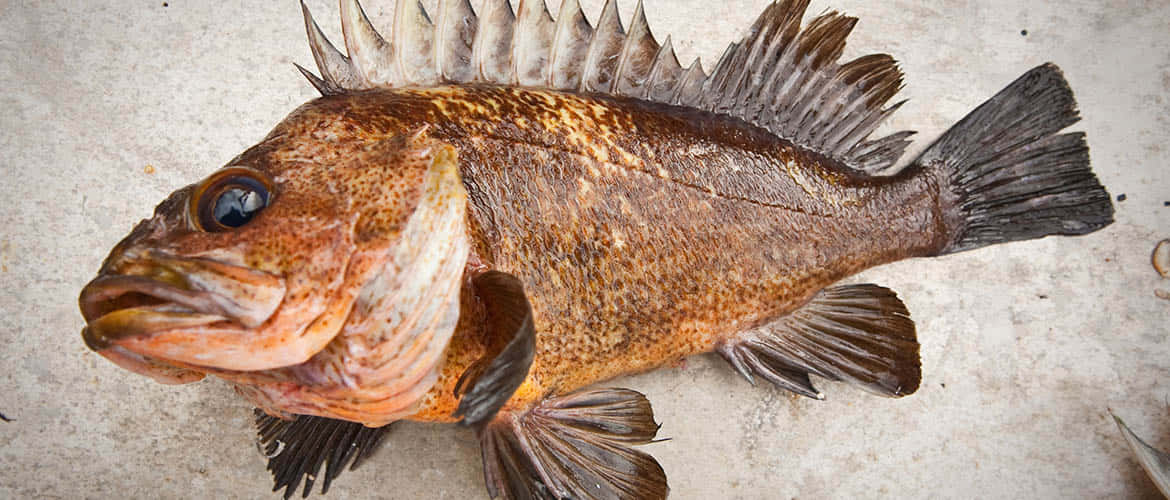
(780, 77)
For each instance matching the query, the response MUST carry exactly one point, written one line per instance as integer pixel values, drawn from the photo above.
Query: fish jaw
(189, 288)
(207, 311)
(203, 312)
(161, 372)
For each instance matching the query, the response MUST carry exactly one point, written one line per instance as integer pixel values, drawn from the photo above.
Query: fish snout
(155, 292)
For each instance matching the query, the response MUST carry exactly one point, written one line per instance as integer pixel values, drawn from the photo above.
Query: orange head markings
(317, 235)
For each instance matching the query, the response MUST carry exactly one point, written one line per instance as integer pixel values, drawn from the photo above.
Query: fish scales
(636, 252)
(660, 231)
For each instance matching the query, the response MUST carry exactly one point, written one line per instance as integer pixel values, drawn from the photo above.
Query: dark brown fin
(575, 446)
(1155, 462)
(1009, 177)
(489, 383)
(297, 448)
(779, 77)
(860, 334)
(789, 81)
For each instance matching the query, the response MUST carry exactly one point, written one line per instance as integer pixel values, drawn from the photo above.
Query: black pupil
(238, 203)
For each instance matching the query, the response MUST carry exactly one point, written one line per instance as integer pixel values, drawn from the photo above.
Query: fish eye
(230, 199)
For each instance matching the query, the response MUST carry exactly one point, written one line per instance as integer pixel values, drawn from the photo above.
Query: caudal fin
(1008, 176)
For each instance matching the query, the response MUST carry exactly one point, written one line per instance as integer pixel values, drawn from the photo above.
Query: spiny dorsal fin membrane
(779, 77)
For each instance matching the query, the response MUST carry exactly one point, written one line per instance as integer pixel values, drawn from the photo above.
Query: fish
(489, 213)
(1155, 462)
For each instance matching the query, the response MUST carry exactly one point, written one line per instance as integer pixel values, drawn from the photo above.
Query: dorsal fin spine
(714, 93)
(637, 59)
(493, 40)
(706, 97)
(689, 84)
(414, 37)
(336, 70)
(779, 77)
(369, 53)
(665, 73)
(530, 42)
(567, 49)
(454, 35)
(605, 47)
(322, 86)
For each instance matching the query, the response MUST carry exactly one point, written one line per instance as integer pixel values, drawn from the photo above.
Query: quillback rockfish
(486, 214)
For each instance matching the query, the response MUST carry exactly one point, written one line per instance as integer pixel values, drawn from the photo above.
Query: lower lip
(102, 332)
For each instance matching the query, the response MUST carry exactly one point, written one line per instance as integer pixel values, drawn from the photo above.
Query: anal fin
(575, 446)
(860, 334)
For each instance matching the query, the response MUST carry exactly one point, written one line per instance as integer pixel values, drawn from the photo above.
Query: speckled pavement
(108, 106)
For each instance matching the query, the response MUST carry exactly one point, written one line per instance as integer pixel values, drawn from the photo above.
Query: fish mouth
(118, 307)
(161, 293)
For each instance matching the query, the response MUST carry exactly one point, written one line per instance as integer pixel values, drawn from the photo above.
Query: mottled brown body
(643, 233)
(491, 210)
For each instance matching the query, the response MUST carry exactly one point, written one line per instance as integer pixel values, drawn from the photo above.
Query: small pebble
(1161, 294)
(1161, 258)
(149, 169)
(1121, 197)
(1023, 32)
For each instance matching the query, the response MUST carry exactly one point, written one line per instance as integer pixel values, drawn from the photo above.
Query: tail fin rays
(1009, 177)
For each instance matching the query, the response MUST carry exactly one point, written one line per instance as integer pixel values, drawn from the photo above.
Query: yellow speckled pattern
(644, 233)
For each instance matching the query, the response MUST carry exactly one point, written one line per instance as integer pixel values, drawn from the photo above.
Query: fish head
(259, 265)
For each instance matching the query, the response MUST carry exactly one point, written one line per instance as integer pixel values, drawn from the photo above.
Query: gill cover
(388, 350)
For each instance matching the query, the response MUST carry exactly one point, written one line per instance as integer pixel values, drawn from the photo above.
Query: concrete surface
(1025, 346)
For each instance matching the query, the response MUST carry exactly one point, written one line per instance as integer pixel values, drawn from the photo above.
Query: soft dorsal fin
(780, 77)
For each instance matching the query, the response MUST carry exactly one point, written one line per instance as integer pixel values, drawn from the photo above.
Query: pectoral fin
(488, 384)
(860, 334)
(297, 448)
(576, 446)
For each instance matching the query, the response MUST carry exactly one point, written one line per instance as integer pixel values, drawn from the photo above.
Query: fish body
(645, 233)
(479, 235)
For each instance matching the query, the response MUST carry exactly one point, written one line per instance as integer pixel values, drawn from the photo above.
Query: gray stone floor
(110, 105)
